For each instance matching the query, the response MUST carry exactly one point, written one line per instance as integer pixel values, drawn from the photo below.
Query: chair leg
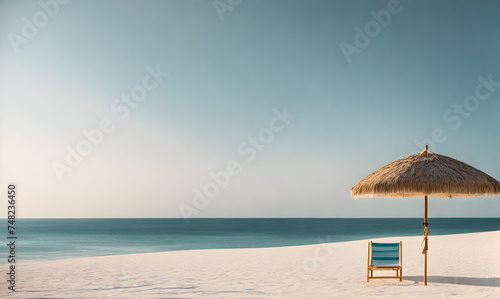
(401, 274)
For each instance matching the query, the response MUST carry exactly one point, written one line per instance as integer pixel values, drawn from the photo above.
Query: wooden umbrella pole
(426, 224)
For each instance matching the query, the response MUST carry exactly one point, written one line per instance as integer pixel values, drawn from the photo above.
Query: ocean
(51, 239)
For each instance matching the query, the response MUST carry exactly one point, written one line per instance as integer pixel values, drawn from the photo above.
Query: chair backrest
(385, 254)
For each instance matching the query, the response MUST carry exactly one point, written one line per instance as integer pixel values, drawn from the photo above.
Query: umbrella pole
(426, 224)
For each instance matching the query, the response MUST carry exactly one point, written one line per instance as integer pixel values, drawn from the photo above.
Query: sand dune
(464, 265)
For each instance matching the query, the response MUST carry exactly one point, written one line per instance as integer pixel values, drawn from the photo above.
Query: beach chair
(385, 256)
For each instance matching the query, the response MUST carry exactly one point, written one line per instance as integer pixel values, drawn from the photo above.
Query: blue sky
(226, 80)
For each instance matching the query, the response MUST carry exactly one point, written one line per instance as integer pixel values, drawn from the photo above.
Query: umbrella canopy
(426, 173)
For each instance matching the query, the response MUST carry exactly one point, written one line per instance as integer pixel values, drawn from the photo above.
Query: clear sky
(295, 101)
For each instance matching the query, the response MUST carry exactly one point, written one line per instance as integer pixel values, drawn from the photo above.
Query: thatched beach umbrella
(426, 174)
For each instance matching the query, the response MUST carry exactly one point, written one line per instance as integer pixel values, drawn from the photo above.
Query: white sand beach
(460, 266)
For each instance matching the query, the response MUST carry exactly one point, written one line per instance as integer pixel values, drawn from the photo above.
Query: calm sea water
(49, 239)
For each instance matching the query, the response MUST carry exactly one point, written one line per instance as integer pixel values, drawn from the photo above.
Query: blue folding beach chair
(385, 256)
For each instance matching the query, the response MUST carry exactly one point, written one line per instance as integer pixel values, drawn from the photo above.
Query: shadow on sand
(471, 281)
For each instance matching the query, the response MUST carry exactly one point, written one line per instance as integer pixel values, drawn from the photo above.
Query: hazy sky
(296, 101)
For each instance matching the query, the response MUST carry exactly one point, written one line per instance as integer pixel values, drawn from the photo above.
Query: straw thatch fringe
(426, 173)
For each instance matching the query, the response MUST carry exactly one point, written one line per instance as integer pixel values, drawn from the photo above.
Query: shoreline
(464, 265)
(63, 239)
(239, 248)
